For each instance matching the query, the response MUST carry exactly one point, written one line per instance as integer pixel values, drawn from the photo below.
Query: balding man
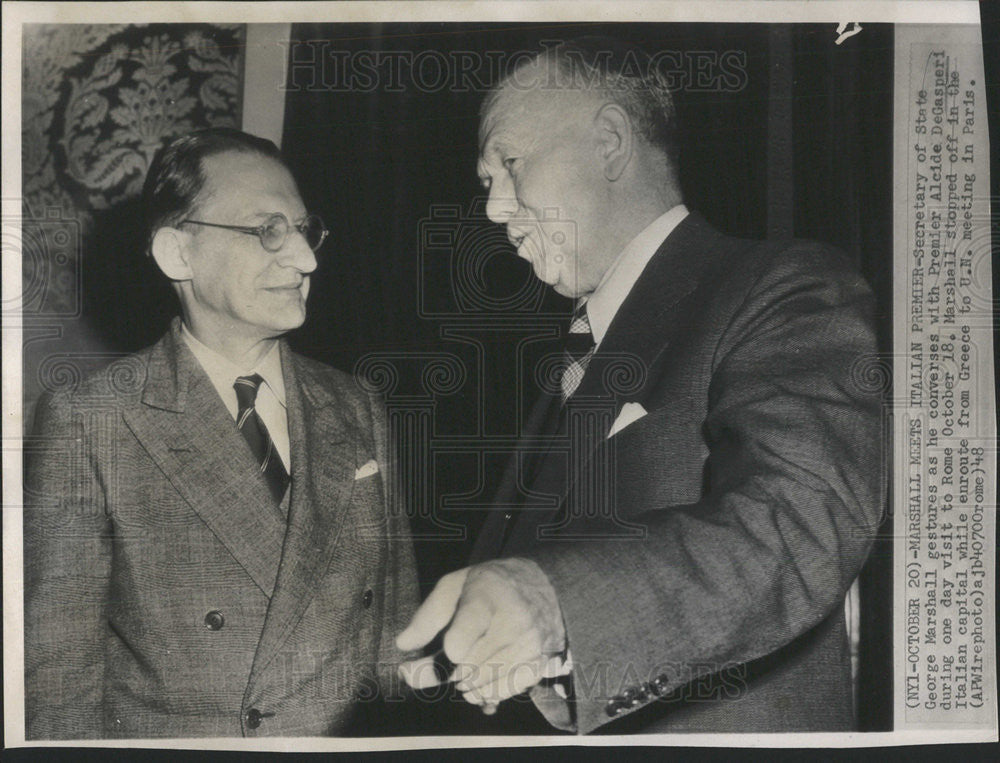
(717, 507)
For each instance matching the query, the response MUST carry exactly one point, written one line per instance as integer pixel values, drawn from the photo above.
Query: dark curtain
(784, 133)
(842, 190)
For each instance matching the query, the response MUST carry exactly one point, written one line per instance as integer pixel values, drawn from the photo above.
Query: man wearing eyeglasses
(208, 546)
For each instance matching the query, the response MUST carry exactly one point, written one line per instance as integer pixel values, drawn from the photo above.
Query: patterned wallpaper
(97, 101)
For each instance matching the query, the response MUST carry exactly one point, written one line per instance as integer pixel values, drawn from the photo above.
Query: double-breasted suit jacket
(702, 553)
(166, 595)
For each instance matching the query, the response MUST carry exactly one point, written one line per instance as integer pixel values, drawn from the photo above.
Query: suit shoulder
(759, 267)
(330, 378)
(790, 256)
(359, 408)
(742, 261)
(88, 382)
(97, 377)
(335, 382)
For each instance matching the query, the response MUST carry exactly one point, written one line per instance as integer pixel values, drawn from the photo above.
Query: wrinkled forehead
(505, 110)
(533, 101)
(514, 99)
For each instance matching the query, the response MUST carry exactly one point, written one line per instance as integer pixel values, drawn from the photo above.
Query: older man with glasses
(208, 548)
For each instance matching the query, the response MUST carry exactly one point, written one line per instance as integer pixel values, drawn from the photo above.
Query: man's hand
(504, 631)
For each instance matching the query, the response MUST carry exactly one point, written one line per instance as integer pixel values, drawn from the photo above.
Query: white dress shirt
(604, 302)
(270, 402)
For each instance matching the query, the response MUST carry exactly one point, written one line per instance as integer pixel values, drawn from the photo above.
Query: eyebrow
(264, 215)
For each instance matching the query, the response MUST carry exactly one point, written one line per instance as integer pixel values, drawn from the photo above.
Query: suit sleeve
(67, 567)
(401, 571)
(785, 522)
(388, 707)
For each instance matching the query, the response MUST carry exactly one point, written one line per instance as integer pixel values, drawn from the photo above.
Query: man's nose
(501, 204)
(296, 253)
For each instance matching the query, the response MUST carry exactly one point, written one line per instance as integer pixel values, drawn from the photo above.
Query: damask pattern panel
(97, 102)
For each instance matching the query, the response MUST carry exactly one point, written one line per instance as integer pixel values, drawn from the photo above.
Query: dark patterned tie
(248, 421)
(578, 351)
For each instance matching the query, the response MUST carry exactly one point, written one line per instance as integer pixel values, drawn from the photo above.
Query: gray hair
(623, 73)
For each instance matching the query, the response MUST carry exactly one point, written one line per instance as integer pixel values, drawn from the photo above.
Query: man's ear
(170, 253)
(616, 139)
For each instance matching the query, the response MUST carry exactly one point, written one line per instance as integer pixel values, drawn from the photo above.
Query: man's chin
(294, 324)
(546, 277)
(286, 321)
(564, 289)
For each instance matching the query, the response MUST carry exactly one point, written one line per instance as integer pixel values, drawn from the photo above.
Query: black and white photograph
(411, 375)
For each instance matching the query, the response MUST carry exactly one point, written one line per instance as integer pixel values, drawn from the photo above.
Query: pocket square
(629, 413)
(367, 470)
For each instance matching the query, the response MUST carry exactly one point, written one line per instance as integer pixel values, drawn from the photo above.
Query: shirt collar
(223, 372)
(603, 303)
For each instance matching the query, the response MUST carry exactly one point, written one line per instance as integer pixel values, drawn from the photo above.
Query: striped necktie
(248, 421)
(577, 353)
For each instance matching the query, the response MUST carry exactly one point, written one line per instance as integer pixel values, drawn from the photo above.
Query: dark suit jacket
(705, 590)
(147, 526)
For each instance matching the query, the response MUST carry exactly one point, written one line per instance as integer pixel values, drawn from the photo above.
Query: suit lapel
(536, 441)
(635, 342)
(324, 458)
(189, 433)
(539, 436)
(637, 332)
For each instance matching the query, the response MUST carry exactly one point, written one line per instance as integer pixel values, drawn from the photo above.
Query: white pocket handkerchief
(367, 470)
(629, 413)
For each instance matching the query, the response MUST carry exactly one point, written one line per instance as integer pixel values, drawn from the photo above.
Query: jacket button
(214, 620)
(254, 717)
(631, 697)
(660, 685)
(366, 598)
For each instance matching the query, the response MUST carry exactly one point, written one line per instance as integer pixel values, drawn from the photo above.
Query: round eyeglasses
(273, 232)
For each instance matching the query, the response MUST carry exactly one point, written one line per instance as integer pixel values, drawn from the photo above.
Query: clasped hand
(504, 634)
